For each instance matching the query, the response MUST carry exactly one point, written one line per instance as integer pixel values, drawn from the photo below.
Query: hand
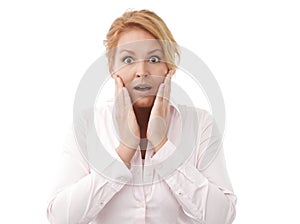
(158, 121)
(128, 129)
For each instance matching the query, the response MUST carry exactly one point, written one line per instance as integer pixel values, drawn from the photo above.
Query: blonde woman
(142, 54)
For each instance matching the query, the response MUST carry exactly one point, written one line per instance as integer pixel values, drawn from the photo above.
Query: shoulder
(208, 137)
(199, 115)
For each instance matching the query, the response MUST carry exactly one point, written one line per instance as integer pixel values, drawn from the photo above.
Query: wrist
(158, 147)
(125, 153)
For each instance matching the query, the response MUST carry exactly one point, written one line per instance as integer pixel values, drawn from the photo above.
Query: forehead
(137, 40)
(134, 34)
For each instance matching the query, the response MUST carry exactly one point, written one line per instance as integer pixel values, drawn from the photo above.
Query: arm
(202, 186)
(81, 192)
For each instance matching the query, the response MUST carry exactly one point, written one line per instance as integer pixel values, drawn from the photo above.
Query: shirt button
(122, 179)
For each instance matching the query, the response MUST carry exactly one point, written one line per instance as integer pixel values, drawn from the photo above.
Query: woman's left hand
(158, 121)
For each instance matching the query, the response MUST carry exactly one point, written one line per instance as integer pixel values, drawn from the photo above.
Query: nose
(141, 69)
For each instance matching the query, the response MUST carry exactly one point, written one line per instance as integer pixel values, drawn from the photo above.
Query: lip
(143, 87)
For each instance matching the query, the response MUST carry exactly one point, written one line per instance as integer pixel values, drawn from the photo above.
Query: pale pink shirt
(198, 191)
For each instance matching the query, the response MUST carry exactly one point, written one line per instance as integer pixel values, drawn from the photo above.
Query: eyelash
(149, 60)
(127, 57)
(155, 56)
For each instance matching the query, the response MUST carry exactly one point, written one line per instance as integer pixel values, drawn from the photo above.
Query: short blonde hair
(150, 22)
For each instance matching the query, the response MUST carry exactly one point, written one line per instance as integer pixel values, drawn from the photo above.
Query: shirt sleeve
(202, 186)
(81, 192)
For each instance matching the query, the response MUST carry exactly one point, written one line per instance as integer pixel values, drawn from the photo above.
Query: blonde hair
(150, 22)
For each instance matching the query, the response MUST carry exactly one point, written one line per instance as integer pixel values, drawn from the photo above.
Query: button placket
(101, 203)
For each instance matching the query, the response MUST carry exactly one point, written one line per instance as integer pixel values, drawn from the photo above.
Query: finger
(126, 103)
(167, 82)
(166, 97)
(120, 98)
(127, 99)
(160, 92)
(158, 100)
(116, 88)
(118, 84)
(167, 91)
(170, 74)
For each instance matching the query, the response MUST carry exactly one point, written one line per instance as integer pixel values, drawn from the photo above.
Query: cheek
(160, 69)
(126, 75)
(158, 73)
(157, 80)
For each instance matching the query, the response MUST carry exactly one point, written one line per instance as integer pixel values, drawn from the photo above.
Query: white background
(252, 48)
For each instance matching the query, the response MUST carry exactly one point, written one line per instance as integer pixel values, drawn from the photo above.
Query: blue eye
(128, 60)
(154, 59)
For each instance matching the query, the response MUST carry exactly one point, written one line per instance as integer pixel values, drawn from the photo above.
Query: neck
(142, 115)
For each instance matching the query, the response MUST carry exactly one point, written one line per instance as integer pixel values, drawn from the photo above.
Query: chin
(146, 101)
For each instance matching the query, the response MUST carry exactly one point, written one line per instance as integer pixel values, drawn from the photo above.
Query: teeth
(142, 88)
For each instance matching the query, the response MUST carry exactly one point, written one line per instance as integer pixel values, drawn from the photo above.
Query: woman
(141, 53)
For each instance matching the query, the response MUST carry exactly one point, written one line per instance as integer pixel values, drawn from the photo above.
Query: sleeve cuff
(190, 174)
(166, 150)
(190, 187)
(116, 173)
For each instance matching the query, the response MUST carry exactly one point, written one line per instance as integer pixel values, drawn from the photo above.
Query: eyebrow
(151, 52)
(132, 52)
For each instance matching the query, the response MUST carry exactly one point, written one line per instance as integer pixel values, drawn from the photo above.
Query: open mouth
(142, 88)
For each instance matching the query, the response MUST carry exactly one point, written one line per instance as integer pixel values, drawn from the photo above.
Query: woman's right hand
(128, 128)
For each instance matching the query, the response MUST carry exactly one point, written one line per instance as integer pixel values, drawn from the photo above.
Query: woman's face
(139, 61)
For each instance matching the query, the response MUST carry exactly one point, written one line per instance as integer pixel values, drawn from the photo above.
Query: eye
(154, 59)
(128, 60)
